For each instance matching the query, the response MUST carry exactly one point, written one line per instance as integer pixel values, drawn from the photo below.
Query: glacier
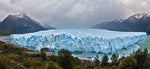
(78, 40)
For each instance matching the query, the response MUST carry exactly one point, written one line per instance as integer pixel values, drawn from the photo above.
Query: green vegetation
(114, 59)
(53, 65)
(65, 60)
(105, 59)
(96, 60)
(14, 57)
(43, 55)
(140, 57)
(128, 63)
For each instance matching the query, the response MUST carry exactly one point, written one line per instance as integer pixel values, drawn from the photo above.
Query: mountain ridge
(20, 24)
(134, 23)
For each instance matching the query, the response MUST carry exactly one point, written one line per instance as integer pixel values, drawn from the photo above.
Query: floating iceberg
(78, 40)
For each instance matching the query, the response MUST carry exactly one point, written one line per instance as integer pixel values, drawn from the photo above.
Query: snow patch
(19, 15)
(138, 16)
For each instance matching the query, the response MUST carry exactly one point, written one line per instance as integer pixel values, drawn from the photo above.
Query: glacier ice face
(91, 56)
(78, 40)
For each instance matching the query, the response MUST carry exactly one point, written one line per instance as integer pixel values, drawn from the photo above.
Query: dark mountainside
(135, 23)
(19, 24)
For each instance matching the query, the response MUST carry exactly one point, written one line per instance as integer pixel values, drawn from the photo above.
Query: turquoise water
(145, 43)
(5, 39)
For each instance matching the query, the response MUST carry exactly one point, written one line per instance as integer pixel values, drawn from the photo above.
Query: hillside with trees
(14, 57)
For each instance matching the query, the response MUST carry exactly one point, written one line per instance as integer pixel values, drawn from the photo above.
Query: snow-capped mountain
(136, 23)
(18, 24)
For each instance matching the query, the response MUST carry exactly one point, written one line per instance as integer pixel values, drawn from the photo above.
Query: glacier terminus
(78, 40)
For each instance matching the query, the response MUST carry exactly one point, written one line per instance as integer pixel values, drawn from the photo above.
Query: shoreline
(4, 35)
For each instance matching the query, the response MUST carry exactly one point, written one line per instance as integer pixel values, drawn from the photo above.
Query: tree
(43, 55)
(105, 59)
(114, 59)
(53, 65)
(140, 57)
(65, 59)
(147, 62)
(53, 58)
(128, 63)
(96, 60)
(145, 53)
(76, 60)
(145, 58)
(121, 59)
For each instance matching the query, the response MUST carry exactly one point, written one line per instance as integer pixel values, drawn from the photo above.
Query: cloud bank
(74, 13)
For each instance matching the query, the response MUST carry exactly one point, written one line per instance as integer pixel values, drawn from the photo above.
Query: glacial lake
(90, 56)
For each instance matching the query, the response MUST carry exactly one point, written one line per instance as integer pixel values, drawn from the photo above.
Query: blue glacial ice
(78, 40)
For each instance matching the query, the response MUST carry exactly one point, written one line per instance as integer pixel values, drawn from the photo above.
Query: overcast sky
(74, 13)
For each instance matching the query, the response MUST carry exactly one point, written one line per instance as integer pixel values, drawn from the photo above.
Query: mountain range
(134, 23)
(20, 24)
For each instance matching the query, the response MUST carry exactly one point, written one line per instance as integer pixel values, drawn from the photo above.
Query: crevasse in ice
(78, 40)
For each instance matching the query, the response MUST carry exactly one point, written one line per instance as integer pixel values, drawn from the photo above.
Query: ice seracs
(79, 40)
